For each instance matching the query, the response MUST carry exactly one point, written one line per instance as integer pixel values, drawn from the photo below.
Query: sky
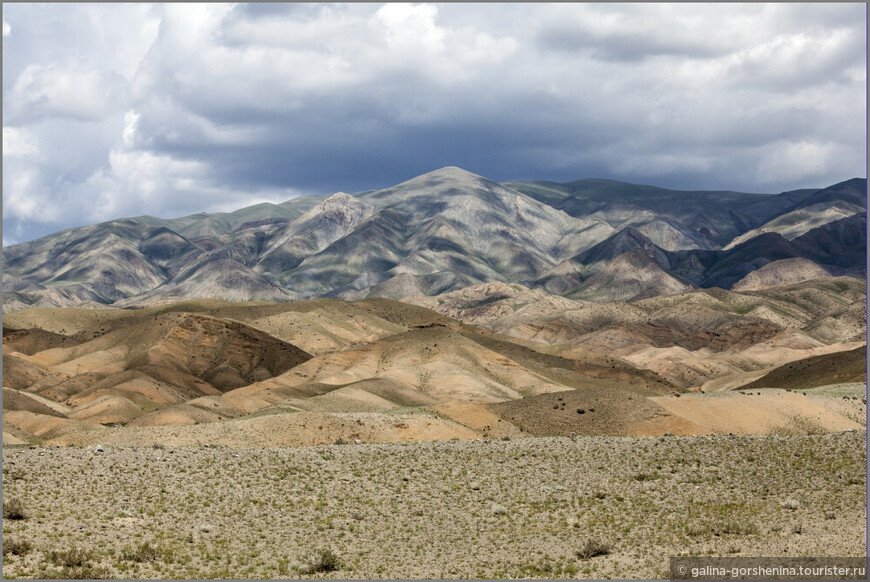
(116, 110)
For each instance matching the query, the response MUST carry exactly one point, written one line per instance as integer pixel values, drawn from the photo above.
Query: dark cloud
(619, 45)
(180, 108)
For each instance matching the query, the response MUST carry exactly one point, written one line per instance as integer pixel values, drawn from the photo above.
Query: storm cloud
(122, 110)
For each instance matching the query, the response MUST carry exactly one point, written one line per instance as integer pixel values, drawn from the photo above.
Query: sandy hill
(835, 368)
(195, 362)
(711, 338)
(117, 372)
(487, 303)
(511, 361)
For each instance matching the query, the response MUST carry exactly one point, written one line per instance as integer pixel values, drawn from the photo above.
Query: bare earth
(477, 509)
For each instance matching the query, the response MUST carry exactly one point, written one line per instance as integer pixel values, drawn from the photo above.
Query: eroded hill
(319, 371)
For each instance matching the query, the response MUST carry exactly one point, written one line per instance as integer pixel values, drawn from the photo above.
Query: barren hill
(777, 273)
(710, 338)
(836, 368)
(382, 370)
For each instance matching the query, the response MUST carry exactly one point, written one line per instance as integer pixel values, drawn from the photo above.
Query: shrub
(734, 527)
(15, 474)
(723, 527)
(797, 528)
(14, 509)
(594, 547)
(791, 504)
(75, 564)
(323, 560)
(86, 571)
(15, 547)
(145, 552)
(72, 558)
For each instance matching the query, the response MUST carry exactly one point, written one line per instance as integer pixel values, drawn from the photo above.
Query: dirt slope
(836, 368)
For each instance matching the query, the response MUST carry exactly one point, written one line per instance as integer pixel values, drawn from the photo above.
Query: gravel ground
(475, 509)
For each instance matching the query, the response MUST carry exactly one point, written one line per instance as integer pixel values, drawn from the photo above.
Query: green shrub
(144, 552)
(323, 560)
(594, 547)
(15, 547)
(14, 509)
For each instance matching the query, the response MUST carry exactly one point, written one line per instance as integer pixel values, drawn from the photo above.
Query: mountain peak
(624, 241)
(445, 174)
(450, 171)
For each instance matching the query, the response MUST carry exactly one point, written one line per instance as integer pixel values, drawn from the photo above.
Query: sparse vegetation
(76, 563)
(13, 508)
(646, 476)
(323, 560)
(15, 546)
(790, 504)
(551, 505)
(593, 547)
(14, 473)
(144, 552)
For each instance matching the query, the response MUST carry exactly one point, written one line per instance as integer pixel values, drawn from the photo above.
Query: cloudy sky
(169, 109)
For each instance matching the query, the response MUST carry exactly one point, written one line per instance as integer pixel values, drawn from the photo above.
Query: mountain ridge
(442, 231)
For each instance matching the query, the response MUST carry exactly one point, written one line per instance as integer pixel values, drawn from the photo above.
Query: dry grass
(594, 547)
(524, 507)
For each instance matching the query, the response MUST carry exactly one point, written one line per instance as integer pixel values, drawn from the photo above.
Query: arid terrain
(496, 432)
(486, 361)
(529, 507)
(449, 229)
(448, 378)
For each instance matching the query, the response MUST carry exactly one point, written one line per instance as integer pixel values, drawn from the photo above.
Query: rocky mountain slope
(443, 231)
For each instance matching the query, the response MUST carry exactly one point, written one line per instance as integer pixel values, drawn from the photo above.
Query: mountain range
(589, 240)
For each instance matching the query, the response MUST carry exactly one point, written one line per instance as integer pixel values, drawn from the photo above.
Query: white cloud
(111, 36)
(411, 28)
(24, 197)
(131, 119)
(18, 143)
(7, 30)
(137, 181)
(71, 89)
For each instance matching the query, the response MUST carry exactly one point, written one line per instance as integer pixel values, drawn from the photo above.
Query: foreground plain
(519, 508)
